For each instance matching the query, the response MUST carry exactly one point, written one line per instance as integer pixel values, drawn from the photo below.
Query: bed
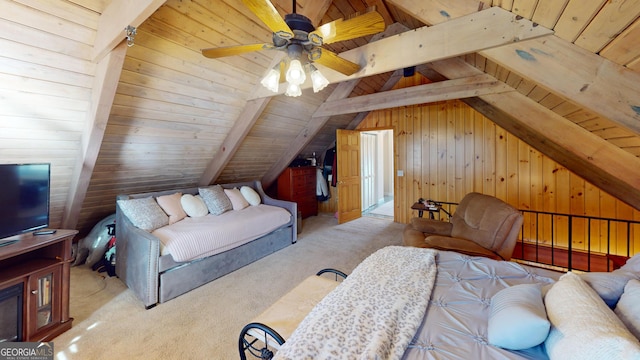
(401, 306)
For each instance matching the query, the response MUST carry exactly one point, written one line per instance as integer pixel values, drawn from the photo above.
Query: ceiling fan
(296, 35)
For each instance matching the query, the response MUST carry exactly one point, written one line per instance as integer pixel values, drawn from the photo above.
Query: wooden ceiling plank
(104, 90)
(548, 12)
(575, 17)
(421, 94)
(625, 47)
(587, 79)
(524, 8)
(614, 17)
(481, 30)
(116, 17)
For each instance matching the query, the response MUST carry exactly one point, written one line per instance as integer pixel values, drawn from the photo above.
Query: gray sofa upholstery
(156, 279)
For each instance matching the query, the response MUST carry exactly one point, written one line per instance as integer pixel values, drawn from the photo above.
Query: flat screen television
(24, 198)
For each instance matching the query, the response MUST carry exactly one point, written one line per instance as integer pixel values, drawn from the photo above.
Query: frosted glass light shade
(295, 73)
(271, 80)
(318, 80)
(293, 90)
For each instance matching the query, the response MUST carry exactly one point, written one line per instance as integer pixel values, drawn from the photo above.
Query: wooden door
(348, 184)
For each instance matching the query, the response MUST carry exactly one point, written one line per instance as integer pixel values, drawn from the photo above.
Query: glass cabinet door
(44, 297)
(44, 300)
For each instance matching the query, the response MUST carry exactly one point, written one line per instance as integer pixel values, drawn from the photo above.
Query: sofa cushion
(250, 195)
(194, 206)
(144, 213)
(237, 200)
(172, 206)
(215, 198)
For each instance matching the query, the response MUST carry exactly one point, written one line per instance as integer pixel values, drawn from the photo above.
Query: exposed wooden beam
(116, 17)
(472, 33)
(250, 114)
(104, 90)
(446, 90)
(604, 165)
(582, 77)
(306, 135)
(437, 11)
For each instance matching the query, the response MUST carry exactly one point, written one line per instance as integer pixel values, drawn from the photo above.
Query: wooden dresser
(298, 184)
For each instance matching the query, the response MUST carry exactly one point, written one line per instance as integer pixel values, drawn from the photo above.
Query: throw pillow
(250, 195)
(517, 318)
(216, 200)
(628, 308)
(194, 206)
(237, 200)
(144, 213)
(609, 285)
(583, 327)
(171, 205)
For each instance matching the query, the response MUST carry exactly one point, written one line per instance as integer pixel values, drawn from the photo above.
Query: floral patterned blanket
(373, 314)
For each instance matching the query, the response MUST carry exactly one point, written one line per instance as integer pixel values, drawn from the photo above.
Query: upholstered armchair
(482, 225)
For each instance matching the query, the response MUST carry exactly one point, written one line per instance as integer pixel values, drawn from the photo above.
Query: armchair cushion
(460, 245)
(430, 226)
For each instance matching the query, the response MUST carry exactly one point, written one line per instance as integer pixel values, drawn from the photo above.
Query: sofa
(482, 225)
(155, 276)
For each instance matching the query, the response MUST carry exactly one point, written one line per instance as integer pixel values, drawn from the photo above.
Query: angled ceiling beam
(105, 83)
(446, 90)
(343, 90)
(587, 155)
(582, 77)
(115, 18)
(468, 34)
(241, 127)
(585, 78)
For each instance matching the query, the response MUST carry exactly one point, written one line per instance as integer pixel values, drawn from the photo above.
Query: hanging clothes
(322, 188)
(330, 167)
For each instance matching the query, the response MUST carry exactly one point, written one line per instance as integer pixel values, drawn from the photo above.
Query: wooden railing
(597, 243)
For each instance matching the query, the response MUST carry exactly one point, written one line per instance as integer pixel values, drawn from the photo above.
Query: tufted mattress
(455, 324)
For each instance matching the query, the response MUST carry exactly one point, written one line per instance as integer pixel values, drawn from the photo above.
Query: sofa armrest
(431, 226)
(290, 206)
(137, 257)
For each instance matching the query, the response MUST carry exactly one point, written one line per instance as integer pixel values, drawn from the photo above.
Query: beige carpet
(110, 323)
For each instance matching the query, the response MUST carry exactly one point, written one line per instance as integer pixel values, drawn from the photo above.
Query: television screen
(24, 198)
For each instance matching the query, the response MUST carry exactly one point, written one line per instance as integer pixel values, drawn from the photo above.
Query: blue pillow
(517, 318)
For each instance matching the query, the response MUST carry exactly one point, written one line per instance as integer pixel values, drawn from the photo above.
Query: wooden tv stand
(42, 264)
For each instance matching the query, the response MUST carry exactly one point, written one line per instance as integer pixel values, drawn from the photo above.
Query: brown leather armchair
(482, 225)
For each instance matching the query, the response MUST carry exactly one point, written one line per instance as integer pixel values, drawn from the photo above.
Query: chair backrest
(487, 221)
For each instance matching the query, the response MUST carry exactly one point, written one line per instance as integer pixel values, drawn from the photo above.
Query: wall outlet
(400, 172)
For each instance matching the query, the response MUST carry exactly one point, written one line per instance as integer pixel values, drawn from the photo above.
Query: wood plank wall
(447, 150)
(46, 78)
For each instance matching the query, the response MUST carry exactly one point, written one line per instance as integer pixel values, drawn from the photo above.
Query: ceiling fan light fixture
(293, 90)
(272, 79)
(317, 79)
(295, 73)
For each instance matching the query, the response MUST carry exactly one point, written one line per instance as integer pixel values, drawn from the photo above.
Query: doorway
(377, 173)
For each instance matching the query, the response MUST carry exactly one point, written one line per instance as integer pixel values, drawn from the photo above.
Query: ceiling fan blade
(233, 50)
(335, 62)
(340, 30)
(266, 12)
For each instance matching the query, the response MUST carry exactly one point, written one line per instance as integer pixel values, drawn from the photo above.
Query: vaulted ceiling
(562, 75)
